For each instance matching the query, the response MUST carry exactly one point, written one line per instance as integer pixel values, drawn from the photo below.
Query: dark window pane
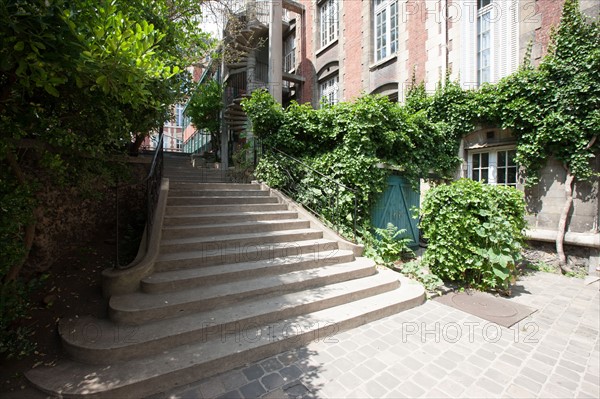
(501, 158)
(475, 161)
(483, 3)
(512, 175)
(485, 159)
(501, 176)
(511, 158)
(484, 175)
(475, 174)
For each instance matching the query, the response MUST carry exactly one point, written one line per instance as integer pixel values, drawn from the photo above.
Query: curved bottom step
(225, 351)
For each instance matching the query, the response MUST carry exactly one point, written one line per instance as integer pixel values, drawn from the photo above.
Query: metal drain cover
(498, 310)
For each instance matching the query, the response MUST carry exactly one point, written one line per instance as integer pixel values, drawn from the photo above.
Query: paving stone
(375, 365)
(591, 389)
(288, 358)
(518, 392)
(253, 372)
(497, 375)
(528, 383)
(435, 371)
(351, 380)
(489, 386)
(375, 389)
(563, 382)
(272, 381)
(233, 380)
(296, 390)
(290, 373)
(434, 394)
(252, 390)
(233, 395)
(534, 375)
(410, 389)
(423, 380)
(332, 389)
(212, 388)
(451, 387)
(190, 394)
(555, 391)
(568, 374)
(337, 351)
(359, 394)
(542, 357)
(271, 364)
(278, 393)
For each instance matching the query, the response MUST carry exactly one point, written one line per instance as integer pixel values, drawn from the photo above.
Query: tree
(84, 76)
(204, 110)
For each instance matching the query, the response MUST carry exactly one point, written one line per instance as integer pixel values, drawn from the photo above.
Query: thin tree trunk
(562, 223)
(15, 269)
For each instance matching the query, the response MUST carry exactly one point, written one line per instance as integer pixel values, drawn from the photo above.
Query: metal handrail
(333, 216)
(152, 182)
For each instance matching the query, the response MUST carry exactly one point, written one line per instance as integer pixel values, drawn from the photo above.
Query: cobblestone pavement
(435, 351)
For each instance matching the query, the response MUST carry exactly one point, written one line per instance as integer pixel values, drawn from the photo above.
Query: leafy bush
(265, 113)
(415, 270)
(475, 233)
(387, 245)
(15, 303)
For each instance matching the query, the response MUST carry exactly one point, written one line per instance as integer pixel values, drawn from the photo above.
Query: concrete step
(189, 278)
(220, 256)
(188, 363)
(139, 308)
(247, 241)
(218, 193)
(188, 231)
(233, 217)
(213, 186)
(120, 343)
(220, 200)
(213, 210)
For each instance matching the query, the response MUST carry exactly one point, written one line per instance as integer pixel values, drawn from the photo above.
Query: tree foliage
(78, 80)
(204, 109)
(84, 75)
(349, 142)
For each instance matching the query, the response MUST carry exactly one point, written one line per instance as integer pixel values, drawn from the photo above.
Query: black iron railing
(151, 184)
(330, 200)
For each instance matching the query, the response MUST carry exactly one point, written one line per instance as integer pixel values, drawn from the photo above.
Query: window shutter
(504, 36)
(468, 44)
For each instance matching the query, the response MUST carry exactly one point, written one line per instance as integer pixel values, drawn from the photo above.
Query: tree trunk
(134, 149)
(15, 269)
(562, 223)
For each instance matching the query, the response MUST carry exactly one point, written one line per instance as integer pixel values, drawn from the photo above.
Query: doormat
(488, 307)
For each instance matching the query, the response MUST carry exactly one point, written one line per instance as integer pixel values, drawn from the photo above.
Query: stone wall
(68, 216)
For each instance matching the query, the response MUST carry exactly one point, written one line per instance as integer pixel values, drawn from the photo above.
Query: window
(483, 41)
(329, 90)
(386, 28)
(289, 55)
(178, 114)
(329, 20)
(494, 167)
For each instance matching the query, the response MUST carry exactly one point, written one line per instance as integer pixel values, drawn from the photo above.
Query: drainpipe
(275, 50)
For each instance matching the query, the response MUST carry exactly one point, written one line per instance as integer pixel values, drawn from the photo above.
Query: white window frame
(385, 25)
(329, 22)
(329, 89)
(178, 116)
(484, 41)
(493, 169)
(289, 54)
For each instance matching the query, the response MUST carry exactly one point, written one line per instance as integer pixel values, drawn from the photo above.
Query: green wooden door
(396, 206)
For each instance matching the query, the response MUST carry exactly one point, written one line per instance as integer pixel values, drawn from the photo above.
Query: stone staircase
(240, 276)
